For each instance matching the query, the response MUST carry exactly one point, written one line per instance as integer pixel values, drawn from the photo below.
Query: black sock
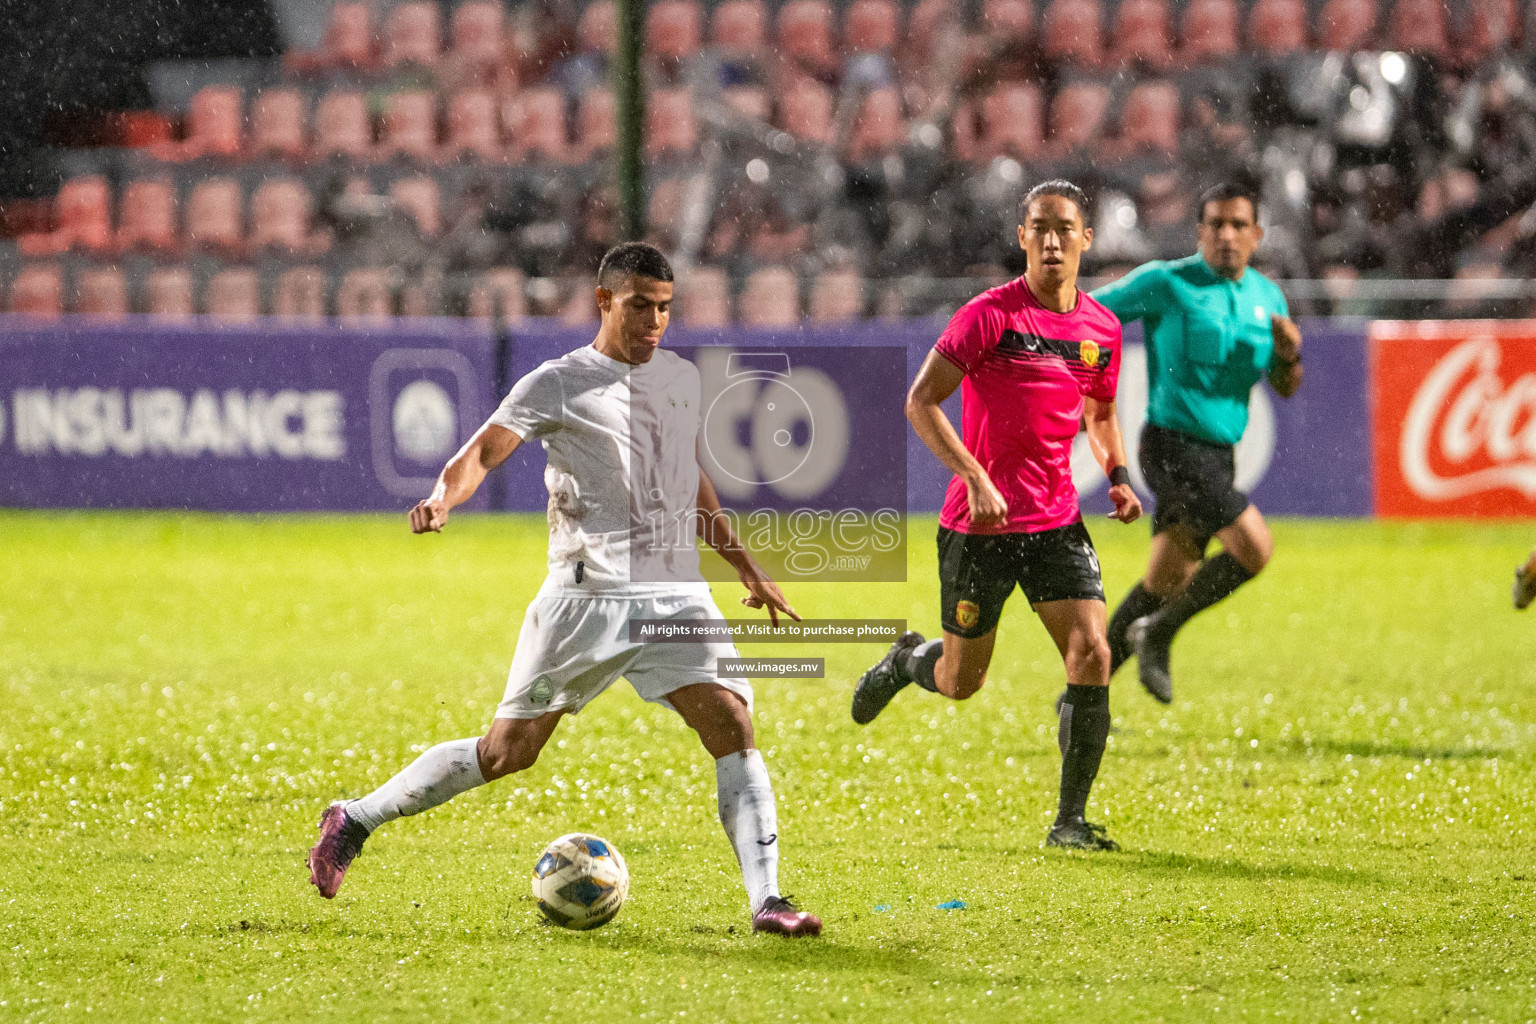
(1215, 579)
(1139, 601)
(1084, 726)
(917, 664)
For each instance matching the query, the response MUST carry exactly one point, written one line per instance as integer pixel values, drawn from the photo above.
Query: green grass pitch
(1333, 823)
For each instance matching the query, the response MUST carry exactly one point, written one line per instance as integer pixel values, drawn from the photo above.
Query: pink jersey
(1027, 370)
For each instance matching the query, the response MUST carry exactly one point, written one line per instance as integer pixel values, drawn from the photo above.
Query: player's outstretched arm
(1285, 372)
(715, 529)
(935, 382)
(1103, 429)
(490, 447)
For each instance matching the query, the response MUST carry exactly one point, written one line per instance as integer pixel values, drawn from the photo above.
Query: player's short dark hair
(1055, 187)
(1242, 187)
(638, 258)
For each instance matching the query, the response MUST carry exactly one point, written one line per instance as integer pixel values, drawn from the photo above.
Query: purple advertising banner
(140, 415)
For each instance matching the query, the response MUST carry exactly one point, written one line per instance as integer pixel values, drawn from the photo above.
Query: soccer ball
(580, 881)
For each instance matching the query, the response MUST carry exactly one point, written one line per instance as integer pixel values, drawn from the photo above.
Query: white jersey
(623, 471)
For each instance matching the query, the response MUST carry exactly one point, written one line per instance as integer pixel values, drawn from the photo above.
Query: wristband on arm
(1119, 475)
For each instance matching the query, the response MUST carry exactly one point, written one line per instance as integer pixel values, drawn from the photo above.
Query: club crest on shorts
(542, 691)
(966, 614)
(1088, 351)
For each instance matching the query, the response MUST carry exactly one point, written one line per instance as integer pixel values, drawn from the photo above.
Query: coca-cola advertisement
(1454, 408)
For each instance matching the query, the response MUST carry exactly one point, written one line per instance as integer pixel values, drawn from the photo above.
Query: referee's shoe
(1152, 651)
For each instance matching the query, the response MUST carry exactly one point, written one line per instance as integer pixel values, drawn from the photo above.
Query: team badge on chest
(1088, 352)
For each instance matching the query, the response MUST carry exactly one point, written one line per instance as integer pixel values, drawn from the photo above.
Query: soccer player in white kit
(619, 421)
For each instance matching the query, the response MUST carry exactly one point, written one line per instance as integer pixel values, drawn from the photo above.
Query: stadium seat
(348, 43)
(498, 293)
(874, 26)
(472, 129)
(1210, 30)
(805, 33)
(878, 129)
(38, 290)
(410, 125)
(281, 209)
(1142, 33)
(1418, 26)
(837, 296)
(705, 299)
(342, 127)
(1150, 120)
(597, 126)
(805, 112)
(1009, 19)
(749, 101)
(536, 125)
(739, 27)
(1012, 122)
(1077, 116)
(214, 218)
(477, 32)
(1346, 24)
(770, 298)
(147, 215)
(674, 29)
(665, 207)
(300, 294)
(1493, 26)
(168, 293)
(82, 215)
(214, 122)
(1278, 26)
(277, 123)
(598, 28)
(234, 295)
(1073, 32)
(419, 197)
(101, 292)
(670, 127)
(365, 296)
(412, 35)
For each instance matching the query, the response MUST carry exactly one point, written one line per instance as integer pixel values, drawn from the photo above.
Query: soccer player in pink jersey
(1033, 359)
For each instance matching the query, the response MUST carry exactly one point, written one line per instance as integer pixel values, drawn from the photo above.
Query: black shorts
(1193, 481)
(978, 571)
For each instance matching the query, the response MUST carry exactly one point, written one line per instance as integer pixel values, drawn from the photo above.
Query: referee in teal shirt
(1213, 328)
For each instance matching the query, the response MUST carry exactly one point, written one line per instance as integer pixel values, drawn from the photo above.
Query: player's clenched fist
(429, 515)
(987, 504)
(1287, 339)
(1127, 505)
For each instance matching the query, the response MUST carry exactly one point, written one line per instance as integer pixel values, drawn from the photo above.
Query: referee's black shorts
(1193, 481)
(978, 571)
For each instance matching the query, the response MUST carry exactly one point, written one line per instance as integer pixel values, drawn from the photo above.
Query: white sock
(751, 820)
(435, 777)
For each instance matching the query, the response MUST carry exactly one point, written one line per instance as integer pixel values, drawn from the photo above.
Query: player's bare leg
(1525, 583)
(437, 776)
(1246, 549)
(748, 811)
(1078, 629)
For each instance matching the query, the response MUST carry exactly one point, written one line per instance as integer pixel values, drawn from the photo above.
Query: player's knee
(967, 685)
(503, 757)
(1088, 658)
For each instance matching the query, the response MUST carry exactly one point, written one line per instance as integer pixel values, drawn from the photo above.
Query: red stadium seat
(739, 27)
(472, 128)
(598, 28)
(101, 292)
(500, 293)
(1346, 24)
(214, 122)
(1150, 120)
(83, 212)
(705, 299)
(410, 125)
(597, 125)
(1210, 30)
(38, 290)
(214, 218)
(879, 129)
(1418, 26)
(873, 26)
(674, 29)
(342, 127)
(277, 123)
(1278, 26)
(1493, 26)
(806, 112)
(837, 297)
(805, 32)
(419, 197)
(1142, 33)
(770, 298)
(670, 127)
(234, 295)
(1012, 122)
(147, 215)
(365, 296)
(300, 294)
(536, 125)
(412, 35)
(1073, 31)
(1077, 116)
(281, 210)
(348, 43)
(1009, 19)
(749, 101)
(477, 32)
(168, 293)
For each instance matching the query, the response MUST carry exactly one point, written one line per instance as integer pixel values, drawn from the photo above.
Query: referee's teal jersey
(1208, 340)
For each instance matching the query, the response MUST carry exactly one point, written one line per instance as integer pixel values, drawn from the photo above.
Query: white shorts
(571, 649)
